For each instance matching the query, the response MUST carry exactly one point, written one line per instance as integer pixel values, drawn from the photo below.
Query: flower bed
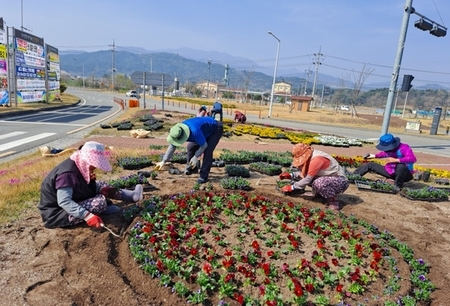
(429, 194)
(219, 249)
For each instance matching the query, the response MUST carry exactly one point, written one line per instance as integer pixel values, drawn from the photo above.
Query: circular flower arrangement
(241, 248)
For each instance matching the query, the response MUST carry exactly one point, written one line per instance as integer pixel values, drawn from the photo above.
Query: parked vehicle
(344, 108)
(130, 93)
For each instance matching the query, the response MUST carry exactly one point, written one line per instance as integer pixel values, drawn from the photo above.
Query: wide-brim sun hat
(178, 134)
(388, 142)
(301, 153)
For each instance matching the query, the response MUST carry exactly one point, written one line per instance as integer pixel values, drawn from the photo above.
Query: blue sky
(349, 33)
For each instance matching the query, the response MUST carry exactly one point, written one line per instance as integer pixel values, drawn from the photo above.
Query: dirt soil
(82, 266)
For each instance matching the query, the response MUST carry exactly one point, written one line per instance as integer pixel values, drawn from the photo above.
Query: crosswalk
(17, 139)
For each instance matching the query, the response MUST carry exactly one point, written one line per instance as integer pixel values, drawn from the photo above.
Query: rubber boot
(135, 195)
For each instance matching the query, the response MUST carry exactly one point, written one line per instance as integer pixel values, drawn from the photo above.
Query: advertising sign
(53, 72)
(30, 66)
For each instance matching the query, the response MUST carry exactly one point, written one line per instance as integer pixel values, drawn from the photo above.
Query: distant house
(210, 89)
(301, 103)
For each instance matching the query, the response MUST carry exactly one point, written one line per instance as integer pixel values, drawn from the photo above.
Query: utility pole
(113, 69)
(308, 74)
(317, 62)
(209, 77)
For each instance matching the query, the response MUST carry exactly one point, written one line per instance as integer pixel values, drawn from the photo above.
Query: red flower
(153, 239)
(320, 243)
(334, 261)
(193, 230)
(239, 298)
(193, 251)
(146, 229)
(298, 290)
(255, 244)
(229, 277)
(227, 263)
(266, 267)
(207, 268)
(262, 290)
(228, 252)
(309, 287)
(270, 253)
(339, 288)
(271, 303)
(294, 244)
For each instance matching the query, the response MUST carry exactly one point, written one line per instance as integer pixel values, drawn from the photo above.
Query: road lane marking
(22, 141)
(12, 134)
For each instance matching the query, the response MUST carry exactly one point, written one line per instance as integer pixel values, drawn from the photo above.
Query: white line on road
(12, 134)
(42, 123)
(22, 141)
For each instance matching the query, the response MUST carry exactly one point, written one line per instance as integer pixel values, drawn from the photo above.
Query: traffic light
(423, 25)
(439, 32)
(407, 79)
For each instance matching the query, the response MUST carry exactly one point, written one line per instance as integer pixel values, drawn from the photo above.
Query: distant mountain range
(189, 65)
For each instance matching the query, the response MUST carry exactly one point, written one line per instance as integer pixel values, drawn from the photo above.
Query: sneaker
(202, 180)
(111, 210)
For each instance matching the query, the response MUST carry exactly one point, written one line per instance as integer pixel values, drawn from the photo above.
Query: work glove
(288, 189)
(368, 156)
(159, 165)
(109, 192)
(285, 176)
(193, 162)
(93, 220)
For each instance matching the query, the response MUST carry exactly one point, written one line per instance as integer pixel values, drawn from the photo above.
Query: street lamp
(209, 77)
(274, 74)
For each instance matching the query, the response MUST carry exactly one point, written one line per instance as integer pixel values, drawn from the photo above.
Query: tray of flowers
(235, 183)
(429, 194)
(265, 168)
(352, 178)
(134, 163)
(237, 170)
(376, 186)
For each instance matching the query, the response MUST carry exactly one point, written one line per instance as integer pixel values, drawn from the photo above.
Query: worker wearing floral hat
(399, 158)
(318, 170)
(70, 193)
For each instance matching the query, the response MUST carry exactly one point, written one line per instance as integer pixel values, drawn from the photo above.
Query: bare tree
(338, 97)
(246, 79)
(359, 77)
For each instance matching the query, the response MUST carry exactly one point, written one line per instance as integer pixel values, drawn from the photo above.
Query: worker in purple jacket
(399, 159)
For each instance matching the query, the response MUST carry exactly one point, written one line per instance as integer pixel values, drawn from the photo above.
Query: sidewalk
(423, 159)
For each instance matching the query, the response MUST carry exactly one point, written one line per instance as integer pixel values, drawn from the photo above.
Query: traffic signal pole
(396, 69)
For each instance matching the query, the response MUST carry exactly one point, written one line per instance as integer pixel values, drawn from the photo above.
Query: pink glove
(93, 220)
(287, 188)
(109, 192)
(285, 176)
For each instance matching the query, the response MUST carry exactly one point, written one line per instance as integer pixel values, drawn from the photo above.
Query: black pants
(400, 176)
(212, 142)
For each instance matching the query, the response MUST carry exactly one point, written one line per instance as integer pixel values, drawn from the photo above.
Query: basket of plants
(134, 163)
(376, 186)
(265, 168)
(235, 183)
(237, 170)
(429, 194)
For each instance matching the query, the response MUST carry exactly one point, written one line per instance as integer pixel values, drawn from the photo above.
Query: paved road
(25, 132)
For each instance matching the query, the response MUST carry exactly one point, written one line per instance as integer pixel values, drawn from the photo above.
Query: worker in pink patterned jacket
(399, 159)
